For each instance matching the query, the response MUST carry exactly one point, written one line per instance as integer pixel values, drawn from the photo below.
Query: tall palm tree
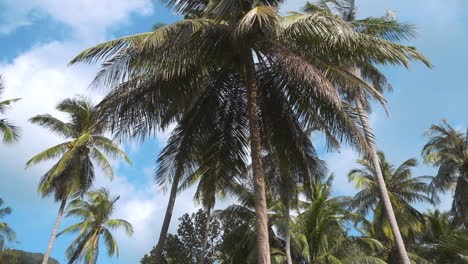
(177, 68)
(385, 28)
(320, 231)
(6, 233)
(73, 174)
(403, 190)
(447, 149)
(95, 214)
(10, 132)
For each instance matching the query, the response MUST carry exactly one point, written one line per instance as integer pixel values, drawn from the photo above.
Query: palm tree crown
(74, 172)
(10, 132)
(447, 149)
(6, 233)
(95, 214)
(403, 189)
(321, 231)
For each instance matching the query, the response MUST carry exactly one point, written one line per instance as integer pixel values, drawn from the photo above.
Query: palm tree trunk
(93, 258)
(45, 260)
(380, 179)
(167, 220)
(459, 204)
(383, 189)
(261, 215)
(205, 237)
(288, 231)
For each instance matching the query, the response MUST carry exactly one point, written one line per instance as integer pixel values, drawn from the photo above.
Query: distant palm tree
(239, 242)
(403, 190)
(447, 149)
(320, 231)
(438, 239)
(6, 233)
(10, 132)
(95, 214)
(73, 174)
(288, 174)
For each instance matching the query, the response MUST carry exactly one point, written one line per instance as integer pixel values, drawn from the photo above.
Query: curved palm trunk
(205, 237)
(261, 216)
(288, 231)
(383, 189)
(380, 180)
(45, 260)
(167, 220)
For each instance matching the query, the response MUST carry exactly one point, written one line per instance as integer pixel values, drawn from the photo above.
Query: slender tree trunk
(261, 214)
(288, 231)
(205, 237)
(460, 204)
(167, 220)
(380, 179)
(45, 260)
(94, 256)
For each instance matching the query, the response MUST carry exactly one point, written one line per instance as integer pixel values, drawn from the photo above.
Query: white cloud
(42, 78)
(89, 18)
(340, 163)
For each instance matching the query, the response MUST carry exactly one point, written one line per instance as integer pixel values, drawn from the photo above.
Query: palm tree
(321, 232)
(447, 149)
(402, 188)
(385, 28)
(95, 214)
(239, 240)
(73, 174)
(197, 63)
(285, 172)
(6, 233)
(10, 132)
(438, 237)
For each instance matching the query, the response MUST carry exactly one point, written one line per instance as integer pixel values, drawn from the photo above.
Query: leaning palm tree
(95, 213)
(384, 28)
(171, 73)
(6, 233)
(447, 149)
(10, 132)
(403, 190)
(73, 173)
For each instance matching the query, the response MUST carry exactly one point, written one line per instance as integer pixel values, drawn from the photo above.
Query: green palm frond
(73, 173)
(11, 133)
(53, 124)
(95, 212)
(120, 223)
(50, 153)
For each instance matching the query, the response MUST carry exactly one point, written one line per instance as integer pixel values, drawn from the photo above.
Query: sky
(39, 37)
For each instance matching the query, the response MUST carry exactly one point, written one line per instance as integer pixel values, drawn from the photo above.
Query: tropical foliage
(6, 233)
(245, 87)
(447, 149)
(95, 213)
(73, 174)
(9, 131)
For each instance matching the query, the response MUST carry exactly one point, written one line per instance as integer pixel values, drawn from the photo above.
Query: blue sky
(39, 37)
